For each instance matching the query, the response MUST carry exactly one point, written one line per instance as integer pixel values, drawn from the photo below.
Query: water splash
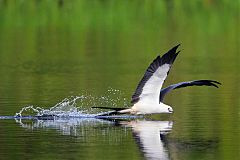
(78, 106)
(27, 109)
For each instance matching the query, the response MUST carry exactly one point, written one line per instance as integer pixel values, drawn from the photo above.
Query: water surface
(52, 50)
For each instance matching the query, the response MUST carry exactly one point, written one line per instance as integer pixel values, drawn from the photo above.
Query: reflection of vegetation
(53, 49)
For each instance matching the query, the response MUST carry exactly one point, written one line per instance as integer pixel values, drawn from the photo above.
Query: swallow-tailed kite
(148, 97)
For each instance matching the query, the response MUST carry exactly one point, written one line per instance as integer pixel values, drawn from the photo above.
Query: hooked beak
(170, 110)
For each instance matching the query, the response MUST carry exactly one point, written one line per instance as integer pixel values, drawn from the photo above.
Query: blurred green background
(53, 49)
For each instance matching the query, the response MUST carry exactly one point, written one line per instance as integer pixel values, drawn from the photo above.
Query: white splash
(77, 106)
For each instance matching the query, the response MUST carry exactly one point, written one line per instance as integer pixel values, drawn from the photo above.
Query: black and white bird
(148, 97)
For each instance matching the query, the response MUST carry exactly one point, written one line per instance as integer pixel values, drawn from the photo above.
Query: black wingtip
(177, 45)
(174, 49)
(212, 83)
(216, 82)
(170, 56)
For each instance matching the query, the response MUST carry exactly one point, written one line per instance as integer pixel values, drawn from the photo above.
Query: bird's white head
(166, 108)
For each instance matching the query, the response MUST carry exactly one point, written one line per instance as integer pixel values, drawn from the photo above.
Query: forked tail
(116, 111)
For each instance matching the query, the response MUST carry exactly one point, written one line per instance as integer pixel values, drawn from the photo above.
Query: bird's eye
(169, 109)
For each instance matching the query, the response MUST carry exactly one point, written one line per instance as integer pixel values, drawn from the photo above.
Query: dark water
(52, 50)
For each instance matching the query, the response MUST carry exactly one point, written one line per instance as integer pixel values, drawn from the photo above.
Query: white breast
(143, 108)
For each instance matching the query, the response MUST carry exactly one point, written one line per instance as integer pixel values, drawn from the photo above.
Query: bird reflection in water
(149, 135)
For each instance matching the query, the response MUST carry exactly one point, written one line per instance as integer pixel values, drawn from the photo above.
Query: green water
(50, 50)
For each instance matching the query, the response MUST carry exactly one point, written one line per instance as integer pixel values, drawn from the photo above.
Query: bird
(149, 95)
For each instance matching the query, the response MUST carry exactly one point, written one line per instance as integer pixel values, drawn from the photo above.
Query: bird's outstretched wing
(164, 91)
(149, 87)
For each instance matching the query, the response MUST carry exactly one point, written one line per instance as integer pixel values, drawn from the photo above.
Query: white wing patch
(150, 93)
(148, 88)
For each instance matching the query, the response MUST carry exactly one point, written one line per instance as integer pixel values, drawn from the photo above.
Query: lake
(54, 51)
